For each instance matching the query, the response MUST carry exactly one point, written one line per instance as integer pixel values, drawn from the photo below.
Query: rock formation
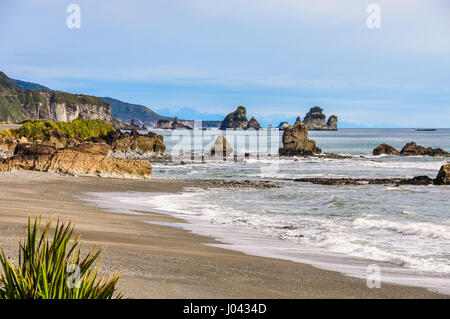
(86, 161)
(332, 122)
(443, 177)
(315, 120)
(385, 149)
(112, 155)
(253, 124)
(236, 119)
(135, 145)
(296, 142)
(411, 149)
(221, 147)
(176, 124)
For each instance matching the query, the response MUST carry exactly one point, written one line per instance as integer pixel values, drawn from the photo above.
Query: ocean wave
(405, 228)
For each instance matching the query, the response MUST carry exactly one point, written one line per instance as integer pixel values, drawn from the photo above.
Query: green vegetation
(315, 113)
(79, 128)
(17, 104)
(74, 99)
(53, 269)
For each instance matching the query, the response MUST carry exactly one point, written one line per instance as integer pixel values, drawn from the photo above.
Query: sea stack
(315, 120)
(236, 119)
(296, 141)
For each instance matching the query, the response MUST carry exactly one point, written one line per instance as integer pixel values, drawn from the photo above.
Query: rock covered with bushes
(81, 147)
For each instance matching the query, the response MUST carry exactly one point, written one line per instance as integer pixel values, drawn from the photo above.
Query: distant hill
(122, 111)
(18, 104)
(126, 112)
(30, 85)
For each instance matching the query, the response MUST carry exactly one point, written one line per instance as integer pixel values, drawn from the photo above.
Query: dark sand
(167, 262)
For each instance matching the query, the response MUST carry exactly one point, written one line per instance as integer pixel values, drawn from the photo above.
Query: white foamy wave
(405, 228)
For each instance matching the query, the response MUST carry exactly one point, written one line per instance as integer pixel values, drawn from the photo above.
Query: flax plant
(53, 269)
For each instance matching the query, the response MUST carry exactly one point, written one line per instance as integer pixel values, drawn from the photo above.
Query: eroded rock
(443, 177)
(297, 143)
(385, 149)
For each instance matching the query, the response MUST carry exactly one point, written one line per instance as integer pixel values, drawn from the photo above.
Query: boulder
(296, 142)
(443, 177)
(385, 149)
(412, 149)
(221, 147)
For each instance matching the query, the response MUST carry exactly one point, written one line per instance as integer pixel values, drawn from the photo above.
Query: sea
(386, 233)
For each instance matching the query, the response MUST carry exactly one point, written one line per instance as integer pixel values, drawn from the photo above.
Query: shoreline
(161, 261)
(254, 243)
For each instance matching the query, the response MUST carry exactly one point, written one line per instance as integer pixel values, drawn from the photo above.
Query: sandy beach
(166, 262)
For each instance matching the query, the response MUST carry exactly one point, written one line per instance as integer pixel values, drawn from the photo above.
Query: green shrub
(79, 128)
(54, 269)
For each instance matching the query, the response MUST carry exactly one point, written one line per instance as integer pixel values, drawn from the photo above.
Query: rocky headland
(17, 104)
(82, 148)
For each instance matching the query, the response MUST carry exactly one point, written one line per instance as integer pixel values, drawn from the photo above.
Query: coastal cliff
(17, 104)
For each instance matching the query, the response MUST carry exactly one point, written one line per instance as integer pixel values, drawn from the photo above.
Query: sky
(278, 58)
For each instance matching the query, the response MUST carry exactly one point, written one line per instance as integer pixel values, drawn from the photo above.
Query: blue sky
(276, 57)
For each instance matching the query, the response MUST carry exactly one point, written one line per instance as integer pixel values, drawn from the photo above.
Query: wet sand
(167, 262)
